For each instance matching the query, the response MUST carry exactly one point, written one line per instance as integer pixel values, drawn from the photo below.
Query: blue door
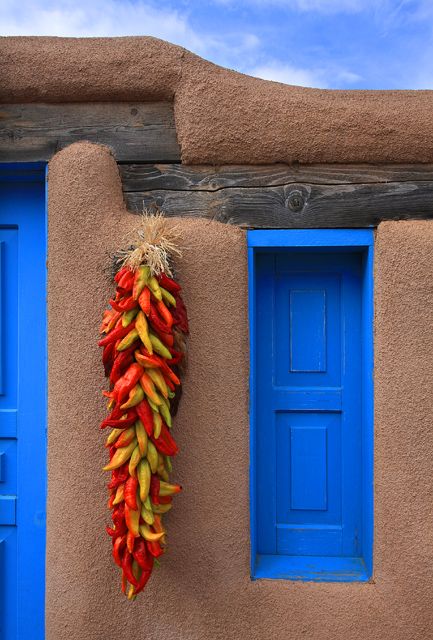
(309, 441)
(22, 401)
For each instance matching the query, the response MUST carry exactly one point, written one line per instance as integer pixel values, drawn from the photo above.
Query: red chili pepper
(144, 300)
(114, 482)
(154, 487)
(116, 334)
(140, 554)
(121, 529)
(120, 273)
(108, 357)
(143, 581)
(164, 313)
(156, 321)
(127, 568)
(168, 382)
(176, 356)
(124, 472)
(127, 382)
(118, 518)
(121, 362)
(119, 543)
(168, 283)
(130, 493)
(126, 280)
(131, 417)
(165, 443)
(124, 305)
(165, 499)
(146, 360)
(154, 549)
(166, 338)
(111, 532)
(162, 364)
(180, 316)
(145, 414)
(130, 539)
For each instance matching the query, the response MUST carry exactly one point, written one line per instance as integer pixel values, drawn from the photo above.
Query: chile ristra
(143, 345)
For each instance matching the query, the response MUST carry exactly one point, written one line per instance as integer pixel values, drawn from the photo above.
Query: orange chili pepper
(144, 300)
(165, 313)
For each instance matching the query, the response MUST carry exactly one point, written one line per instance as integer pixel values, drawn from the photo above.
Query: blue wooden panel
(7, 509)
(22, 402)
(1, 306)
(348, 239)
(8, 417)
(318, 486)
(311, 419)
(307, 330)
(308, 464)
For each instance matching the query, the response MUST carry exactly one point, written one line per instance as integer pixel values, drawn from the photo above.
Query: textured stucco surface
(202, 590)
(222, 116)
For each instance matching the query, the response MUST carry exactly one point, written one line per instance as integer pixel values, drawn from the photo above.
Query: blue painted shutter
(22, 403)
(308, 427)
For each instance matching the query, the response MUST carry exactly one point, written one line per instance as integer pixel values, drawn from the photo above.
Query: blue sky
(339, 44)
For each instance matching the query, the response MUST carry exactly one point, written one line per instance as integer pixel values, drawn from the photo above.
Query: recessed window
(311, 404)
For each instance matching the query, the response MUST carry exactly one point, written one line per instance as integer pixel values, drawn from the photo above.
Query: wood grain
(325, 206)
(283, 197)
(136, 132)
(136, 177)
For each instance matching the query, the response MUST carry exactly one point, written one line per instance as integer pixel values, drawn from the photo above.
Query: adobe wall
(222, 117)
(202, 590)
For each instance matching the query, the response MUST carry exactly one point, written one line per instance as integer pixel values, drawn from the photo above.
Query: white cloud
(288, 74)
(320, 6)
(85, 18)
(321, 78)
(94, 18)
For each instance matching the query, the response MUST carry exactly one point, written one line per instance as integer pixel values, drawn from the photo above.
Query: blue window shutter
(311, 481)
(22, 400)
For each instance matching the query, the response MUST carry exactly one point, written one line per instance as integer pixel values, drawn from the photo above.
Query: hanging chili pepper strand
(143, 347)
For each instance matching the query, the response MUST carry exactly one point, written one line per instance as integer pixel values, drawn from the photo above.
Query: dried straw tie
(153, 243)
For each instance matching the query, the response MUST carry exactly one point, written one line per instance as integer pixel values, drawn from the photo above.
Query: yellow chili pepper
(142, 438)
(136, 395)
(158, 380)
(153, 285)
(129, 339)
(121, 456)
(159, 347)
(143, 331)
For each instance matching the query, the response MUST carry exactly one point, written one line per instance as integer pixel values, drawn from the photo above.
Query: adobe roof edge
(222, 116)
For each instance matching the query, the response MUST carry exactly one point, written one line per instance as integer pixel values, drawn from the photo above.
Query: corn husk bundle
(143, 350)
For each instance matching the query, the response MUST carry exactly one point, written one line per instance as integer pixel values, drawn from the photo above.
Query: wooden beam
(207, 178)
(283, 197)
(136, 132)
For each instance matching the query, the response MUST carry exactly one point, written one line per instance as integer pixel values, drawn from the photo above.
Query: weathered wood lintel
(283, 197)
(136, 132)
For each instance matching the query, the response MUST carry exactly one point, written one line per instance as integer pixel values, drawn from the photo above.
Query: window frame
(354, 240)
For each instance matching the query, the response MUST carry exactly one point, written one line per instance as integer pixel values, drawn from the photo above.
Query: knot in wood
(295, 201)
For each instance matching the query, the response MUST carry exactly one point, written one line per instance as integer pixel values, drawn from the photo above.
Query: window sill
(310, 568)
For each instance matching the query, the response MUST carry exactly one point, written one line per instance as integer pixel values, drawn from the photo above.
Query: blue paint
(307, 330)
(22, 400)
(311, 404)
(308, 468)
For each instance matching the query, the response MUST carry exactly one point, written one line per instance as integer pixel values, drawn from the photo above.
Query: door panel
(309, 423)
(22, 402)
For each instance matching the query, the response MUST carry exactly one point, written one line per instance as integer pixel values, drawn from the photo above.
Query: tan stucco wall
(202, 590)
(222, 117)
